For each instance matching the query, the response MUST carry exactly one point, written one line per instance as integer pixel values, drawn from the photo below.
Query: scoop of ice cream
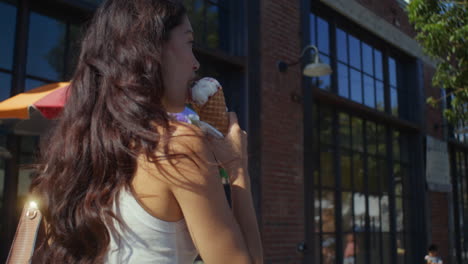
(204, 89)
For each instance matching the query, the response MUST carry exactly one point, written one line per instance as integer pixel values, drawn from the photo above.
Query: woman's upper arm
(196, 185)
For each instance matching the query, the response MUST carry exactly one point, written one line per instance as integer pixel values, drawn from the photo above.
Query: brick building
(338, 163)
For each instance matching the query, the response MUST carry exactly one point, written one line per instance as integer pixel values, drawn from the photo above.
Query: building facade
(338, 163)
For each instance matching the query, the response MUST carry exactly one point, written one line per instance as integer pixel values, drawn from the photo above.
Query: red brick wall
(392, 12)
(439, 223)
(282, 150)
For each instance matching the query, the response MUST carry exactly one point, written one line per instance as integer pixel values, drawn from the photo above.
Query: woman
(120, 181)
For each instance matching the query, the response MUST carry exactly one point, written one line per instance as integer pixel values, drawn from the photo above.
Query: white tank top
(148, 239)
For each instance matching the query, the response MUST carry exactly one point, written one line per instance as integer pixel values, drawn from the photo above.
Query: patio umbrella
(29, 113)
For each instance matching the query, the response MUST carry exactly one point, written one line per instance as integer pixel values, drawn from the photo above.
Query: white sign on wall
(437, 165)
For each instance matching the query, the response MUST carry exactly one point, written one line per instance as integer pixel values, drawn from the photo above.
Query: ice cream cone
(214, 112)
(209, 103)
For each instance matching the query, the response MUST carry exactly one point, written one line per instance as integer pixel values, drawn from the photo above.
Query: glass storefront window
(7, 36)
(364, 185)
(5, 85)
(46, 47)
(210, 21)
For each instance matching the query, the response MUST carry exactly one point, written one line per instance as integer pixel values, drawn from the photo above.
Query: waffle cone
(214, 112)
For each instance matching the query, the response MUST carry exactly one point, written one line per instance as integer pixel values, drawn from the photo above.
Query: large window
(364, 74)
(353, 186)
(53, 46)
(210, 20)
(7, 44)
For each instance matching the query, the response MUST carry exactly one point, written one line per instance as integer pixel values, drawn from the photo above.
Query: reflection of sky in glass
(343, 78)
(369, 94)
(323, 37)
(45, 45)
(5, 86)
(367, 61)
(31, 84)
(354, 52)
(392, 72)
(312, 29)
(7, 35)
(356, 86)
(378, 64)
(341, 45)
(379, 88)
(324, 82)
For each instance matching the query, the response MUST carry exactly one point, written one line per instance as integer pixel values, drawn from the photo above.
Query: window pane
(349, 249)
(343, 80)
(381, 143)
(387, 248)
(326, 167)
(73, 49)
(323, 37)
(394, 101)
(5, 86)
(46, 47)
(371, 135)
(372, 175)
(358, 172)
(367, 59)
(31, 84)
(347, 211)
(383, 176)
(345, 130)
(392, 71)
(400, 249)
(400, 214)
(328, 249)
(317, 202)
(328, 211)
(384, 206)
(356, 86)
(195, 11)
(324, 82)
(361, 248)
(212, 26)
(354, 52)
(380, 104)
(369, 93)
(375, 248)
(359, 212)
(326, 127)
(357, 133)
(312, 29)
(374, 213)
(378, 64)
(396, 145)
(7, 36)
(346, 170)
(341, 46)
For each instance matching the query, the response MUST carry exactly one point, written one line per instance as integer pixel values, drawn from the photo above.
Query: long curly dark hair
(114, 103)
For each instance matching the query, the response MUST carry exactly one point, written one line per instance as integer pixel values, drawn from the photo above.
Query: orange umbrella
(33, 108)
(48, 100)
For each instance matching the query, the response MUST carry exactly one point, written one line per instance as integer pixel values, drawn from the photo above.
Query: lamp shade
(317, 68)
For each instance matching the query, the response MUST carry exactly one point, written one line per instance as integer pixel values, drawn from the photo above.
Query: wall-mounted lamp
(312, 69)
